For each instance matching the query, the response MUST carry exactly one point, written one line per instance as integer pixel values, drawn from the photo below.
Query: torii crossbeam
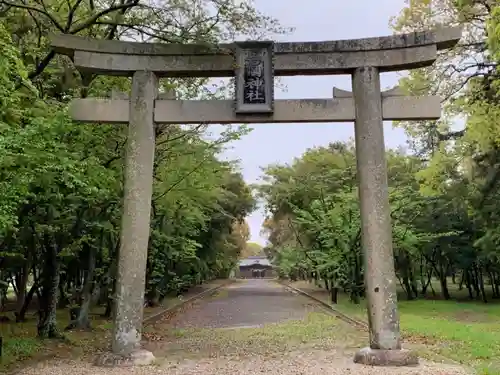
(395, 106)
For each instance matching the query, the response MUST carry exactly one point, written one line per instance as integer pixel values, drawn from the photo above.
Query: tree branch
(71, 15)
(92, 20)
(42, 65)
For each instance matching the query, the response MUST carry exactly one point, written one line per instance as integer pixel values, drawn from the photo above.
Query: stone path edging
(156, 316)
(328, 307)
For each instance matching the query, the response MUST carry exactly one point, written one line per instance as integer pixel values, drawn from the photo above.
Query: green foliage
(493, 25)
(252, 249)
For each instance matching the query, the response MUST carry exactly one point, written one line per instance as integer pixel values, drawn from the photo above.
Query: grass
(20, 343)
(465, 332)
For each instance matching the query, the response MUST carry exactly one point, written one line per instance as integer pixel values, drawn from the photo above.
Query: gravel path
(251, 327)
(245, 304)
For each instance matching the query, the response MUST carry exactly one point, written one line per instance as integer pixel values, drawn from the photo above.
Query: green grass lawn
(465, 332)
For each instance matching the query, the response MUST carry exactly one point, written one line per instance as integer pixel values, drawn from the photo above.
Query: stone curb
(154, 317)
(331, 309)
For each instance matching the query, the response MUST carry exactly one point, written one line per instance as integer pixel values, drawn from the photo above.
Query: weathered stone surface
(376, 230)
(389, 53)
(139, 357)
(395, 91)
(135, 226)
(284, 65)
(142, 358)
(380, 357)
(443, 38)
(340, 93)
(285, 111)
(120, 95)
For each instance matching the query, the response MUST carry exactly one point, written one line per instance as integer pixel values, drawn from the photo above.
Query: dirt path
(250, 327)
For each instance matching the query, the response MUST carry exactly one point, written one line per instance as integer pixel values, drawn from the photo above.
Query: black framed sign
(254, 84)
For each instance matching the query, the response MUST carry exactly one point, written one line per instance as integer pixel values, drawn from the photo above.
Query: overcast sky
(313, 20)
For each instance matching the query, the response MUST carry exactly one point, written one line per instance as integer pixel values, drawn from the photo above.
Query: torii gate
(254, 65)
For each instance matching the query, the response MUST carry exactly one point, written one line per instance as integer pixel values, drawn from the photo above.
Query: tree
(251, 249)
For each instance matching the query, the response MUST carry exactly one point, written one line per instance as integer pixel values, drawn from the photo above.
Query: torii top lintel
(388, 53)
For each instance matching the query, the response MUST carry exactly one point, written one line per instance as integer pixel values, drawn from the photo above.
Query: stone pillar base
(139, 357)
(382, 357)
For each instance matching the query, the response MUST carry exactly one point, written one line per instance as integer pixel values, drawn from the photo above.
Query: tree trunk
(444, 286)
(426, 283)
(22, 284)
(21, 313)
(153, 297)
(432, 287)
(462, 280)
(334, 294)
(109, 308)
(47, 327)
(21, 295)
(407, 288)
(441, 273)
(468, 283)
(413, 283)
(63, 300)
(110, 287)
(492, 281)
(82, 320)
(481, 284)
(496, 285)
(475, 281)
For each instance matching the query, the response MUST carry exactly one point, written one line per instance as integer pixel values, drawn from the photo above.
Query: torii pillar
(376, 228)
(134, 237)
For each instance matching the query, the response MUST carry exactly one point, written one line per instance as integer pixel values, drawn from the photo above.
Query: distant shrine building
(256, 267)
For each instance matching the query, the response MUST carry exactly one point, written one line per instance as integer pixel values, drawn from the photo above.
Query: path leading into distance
(245, 304)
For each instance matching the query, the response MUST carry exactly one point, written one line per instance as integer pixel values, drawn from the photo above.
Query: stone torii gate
(254, 65)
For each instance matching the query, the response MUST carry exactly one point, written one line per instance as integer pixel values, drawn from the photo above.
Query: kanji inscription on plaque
(254, 83)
